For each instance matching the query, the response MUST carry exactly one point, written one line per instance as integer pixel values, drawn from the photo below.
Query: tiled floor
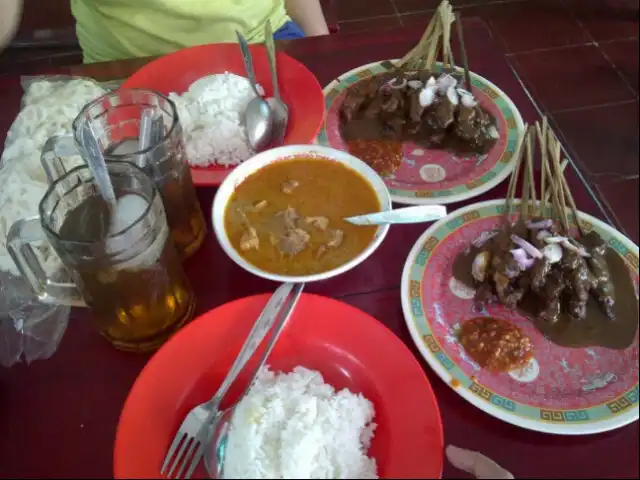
(579, 58)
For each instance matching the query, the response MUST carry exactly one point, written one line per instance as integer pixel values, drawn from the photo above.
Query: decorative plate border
(608, 416)
(490, 179)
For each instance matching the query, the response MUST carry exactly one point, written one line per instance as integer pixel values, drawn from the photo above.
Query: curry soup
(287, 218)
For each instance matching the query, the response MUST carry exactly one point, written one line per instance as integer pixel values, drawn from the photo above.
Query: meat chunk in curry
(288, 218)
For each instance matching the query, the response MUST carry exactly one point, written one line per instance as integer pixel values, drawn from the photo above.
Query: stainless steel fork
(188, 445)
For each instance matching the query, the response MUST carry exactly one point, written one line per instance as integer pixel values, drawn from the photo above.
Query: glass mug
(115, 119)
(127, 271)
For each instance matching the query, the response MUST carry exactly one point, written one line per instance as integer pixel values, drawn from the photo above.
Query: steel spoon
(287, 296)
(258, 117)
(278, 107)
(418, 214)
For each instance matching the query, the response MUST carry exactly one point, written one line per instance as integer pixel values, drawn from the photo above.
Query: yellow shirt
(117, 29)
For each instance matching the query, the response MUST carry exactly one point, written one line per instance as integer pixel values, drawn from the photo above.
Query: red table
(59, 416)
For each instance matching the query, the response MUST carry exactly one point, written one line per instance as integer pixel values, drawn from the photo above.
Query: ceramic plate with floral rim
(571, 391)
(429, 176)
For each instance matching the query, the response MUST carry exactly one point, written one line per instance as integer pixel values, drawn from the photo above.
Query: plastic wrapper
(29, 329)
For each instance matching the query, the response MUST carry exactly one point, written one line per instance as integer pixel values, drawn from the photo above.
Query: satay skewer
(417, 52)
(555, 147)
(532, 179)
(463, 52)
(542, 140)
(447, 18)
(563, 166)
(572, 204)
(425, 50)
(554, 195)
(444, 10)
(513, 181)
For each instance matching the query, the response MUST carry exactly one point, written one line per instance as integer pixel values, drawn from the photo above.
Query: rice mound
(211, 114)
(296, 426)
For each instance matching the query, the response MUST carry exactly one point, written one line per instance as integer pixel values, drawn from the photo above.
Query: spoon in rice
(258, 117)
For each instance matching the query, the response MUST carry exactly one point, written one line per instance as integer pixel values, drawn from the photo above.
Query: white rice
(211, 114)
(296, 426)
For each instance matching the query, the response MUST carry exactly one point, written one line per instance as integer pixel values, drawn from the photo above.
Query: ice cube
(129, 208)
(126, 147)
(129, 252)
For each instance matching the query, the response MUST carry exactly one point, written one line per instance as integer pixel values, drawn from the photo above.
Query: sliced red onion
(552, 252)
(453, 96)
(547, 223)
(484, 238)
(530, 249)
(543, 234)
(445, 82)
(569, 245)
(427, 96)
(393, 83)
(415, 84)
(522, 258)
(468, 101)
(579, 249)
(466, 98)
(555, 239)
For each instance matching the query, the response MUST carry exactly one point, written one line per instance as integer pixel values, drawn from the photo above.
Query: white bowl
(241, 172)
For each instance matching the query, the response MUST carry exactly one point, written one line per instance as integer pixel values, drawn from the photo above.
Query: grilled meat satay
(552, 295)
(602, 286)
(484, 294)
(539, 273)
(579, 282)
(505, 273)
(541, 267)
(358, 97)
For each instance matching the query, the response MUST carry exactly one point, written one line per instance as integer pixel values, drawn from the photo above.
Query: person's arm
(10, 14)
(308, 14)
(476, 464)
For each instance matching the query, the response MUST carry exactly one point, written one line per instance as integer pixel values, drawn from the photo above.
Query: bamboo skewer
(554, 146)
(424, 54)
(572, 204)
(446, 11)
(554, 195)
(530, 158)
(542, 140)
(563, 167)
(513, 181)
(463, 52)
(527, 177)
(418, 52)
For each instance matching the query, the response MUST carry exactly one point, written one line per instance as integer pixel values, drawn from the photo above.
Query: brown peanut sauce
(596, 329)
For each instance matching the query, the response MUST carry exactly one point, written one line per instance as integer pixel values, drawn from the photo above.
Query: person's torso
(116, 29)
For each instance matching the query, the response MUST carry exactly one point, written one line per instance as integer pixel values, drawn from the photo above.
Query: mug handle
(56, 148)
(21, 235)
